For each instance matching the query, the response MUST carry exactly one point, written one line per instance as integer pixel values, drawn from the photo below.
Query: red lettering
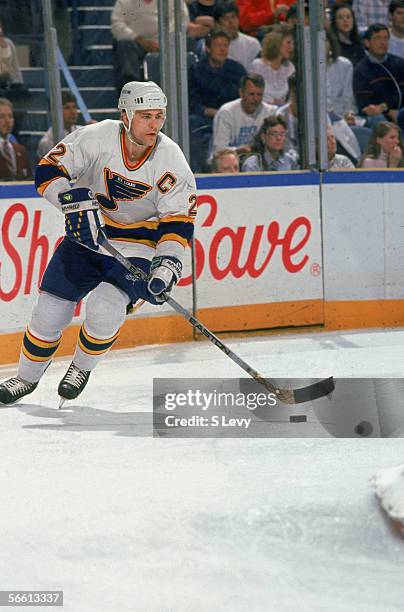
(37, 242)
(288, 250)
(236, 238)
(15, 209)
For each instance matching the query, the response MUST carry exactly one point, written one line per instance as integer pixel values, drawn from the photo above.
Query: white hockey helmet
(138, 95)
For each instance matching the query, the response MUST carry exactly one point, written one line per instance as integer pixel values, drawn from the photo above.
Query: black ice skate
(13, 389)
(72, 383)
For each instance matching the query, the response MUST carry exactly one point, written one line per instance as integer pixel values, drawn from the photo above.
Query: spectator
(340, 99)
(226, 161)
(201, 16)
(385, 148)
(368, 12)
(289, 112)
(275, 65)
(257, 13)
(378, 80)
(243, 48)
(268, 149)
(213, 81)
(292, 17)
(236, 122)
(396, 43)
(343, 24)
(14, 163)
(336, 161)
(70, 116)
(11, 82)
(135, 30)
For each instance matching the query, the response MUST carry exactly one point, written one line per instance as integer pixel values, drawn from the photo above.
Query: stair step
(101, 4)
(92, 96)
(83, 76)
(94, 15)
(95, 35)
(98, 54)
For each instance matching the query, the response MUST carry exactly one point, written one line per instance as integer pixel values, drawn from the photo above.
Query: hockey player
(134, 184)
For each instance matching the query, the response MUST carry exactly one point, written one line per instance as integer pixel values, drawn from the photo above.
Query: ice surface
(124, 522)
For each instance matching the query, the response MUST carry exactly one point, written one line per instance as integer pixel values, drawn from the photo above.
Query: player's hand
(165, 272)
(82, 219)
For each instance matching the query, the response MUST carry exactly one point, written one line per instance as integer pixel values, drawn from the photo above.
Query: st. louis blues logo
(119, 188)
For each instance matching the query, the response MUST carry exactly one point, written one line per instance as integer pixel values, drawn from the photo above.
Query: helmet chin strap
(127, 129)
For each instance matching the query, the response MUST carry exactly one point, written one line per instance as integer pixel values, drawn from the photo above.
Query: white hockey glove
(165, 272)
(82, 219)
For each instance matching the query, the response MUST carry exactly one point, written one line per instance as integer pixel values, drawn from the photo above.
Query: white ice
(92, 504)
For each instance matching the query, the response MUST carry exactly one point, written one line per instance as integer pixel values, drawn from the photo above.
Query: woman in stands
(343, 25)
(268, 149)
(385, 148)
(340, 98)
(275, 65)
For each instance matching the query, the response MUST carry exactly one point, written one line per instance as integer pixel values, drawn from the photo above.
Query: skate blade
(61, 403)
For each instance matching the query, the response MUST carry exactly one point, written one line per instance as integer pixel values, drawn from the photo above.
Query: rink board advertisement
(269, 252)
(258, 256)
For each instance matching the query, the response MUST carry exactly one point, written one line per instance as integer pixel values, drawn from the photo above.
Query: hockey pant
(105, 313)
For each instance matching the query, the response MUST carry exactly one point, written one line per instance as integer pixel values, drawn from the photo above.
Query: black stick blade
(314, 391)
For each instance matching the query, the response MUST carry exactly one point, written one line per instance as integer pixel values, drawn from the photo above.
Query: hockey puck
(298, 418)
(364, 429)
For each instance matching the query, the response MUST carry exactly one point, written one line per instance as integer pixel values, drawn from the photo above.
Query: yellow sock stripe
(90, 345)
(42, 343)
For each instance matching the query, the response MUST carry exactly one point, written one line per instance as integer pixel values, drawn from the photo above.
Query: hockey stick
(287, 396)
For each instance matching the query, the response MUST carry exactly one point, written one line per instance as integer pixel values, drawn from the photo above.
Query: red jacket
(257, 13)
(24, 171)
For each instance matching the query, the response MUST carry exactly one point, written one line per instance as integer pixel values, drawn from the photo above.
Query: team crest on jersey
(119, 188)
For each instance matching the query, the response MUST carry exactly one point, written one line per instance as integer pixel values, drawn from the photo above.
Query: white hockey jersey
(148, 206)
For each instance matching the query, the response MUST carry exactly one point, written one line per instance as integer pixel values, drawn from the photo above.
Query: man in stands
(378, 79)
(14, 162)
(237, 121)
(135, 29)
(213, 81)
(70, 116)
(226, 161)
(396, 12)
(243, 48)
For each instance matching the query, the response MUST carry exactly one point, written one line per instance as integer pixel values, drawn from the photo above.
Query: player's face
(146, 125)
(251, 97)
(6, 120)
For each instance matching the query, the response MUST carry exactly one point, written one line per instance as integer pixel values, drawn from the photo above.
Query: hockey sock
(36, 355)
(91, 349)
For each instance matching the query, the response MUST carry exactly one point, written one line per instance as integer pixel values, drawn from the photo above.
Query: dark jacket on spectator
(355, 52)
(23, 166)
(213, 87)
(372, 84)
